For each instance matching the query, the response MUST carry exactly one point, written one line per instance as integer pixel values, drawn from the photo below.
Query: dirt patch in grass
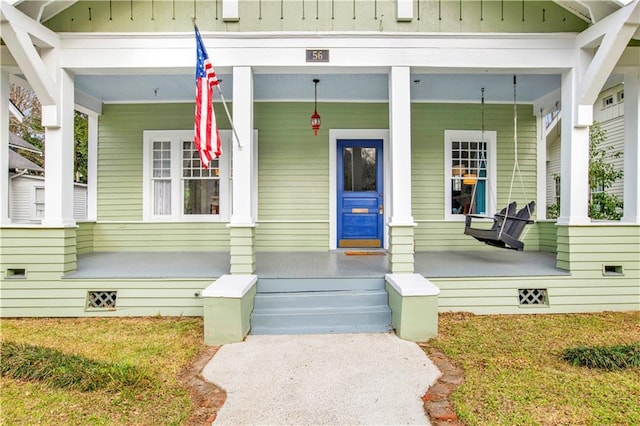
(207, 398)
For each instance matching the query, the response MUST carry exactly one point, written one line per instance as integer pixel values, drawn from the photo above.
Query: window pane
(359, 169)
(161, 197)
(468, 177)
(201, 196)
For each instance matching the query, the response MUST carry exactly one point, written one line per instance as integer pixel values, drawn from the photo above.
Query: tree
(602, 176)
(32, 131)
(81, 138)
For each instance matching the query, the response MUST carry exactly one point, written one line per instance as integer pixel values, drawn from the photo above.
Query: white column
(243, 158)
(541, 169)
(92, 167)
(400, 135)
(631, 147)
(59, 155)
(574, 172)
(4, 148)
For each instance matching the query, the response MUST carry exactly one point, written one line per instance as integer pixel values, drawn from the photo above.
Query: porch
(327, 264)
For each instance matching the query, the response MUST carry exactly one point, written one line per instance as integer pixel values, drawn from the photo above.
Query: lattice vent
(102, 299)
(533, 296)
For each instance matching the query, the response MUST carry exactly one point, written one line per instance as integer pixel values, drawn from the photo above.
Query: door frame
(334, 135)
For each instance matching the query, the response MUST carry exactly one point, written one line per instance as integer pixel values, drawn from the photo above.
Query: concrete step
(281, 285)
(315, 299)
(377, 318)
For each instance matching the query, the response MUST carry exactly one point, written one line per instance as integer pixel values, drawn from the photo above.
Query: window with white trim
(176, 187)
(470, 173)
(38, 203)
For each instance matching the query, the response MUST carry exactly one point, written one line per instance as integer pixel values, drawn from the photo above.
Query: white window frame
(34, 212)
(490, 137)
(176, 137)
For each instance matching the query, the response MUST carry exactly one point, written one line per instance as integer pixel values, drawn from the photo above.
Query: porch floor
(431, 264)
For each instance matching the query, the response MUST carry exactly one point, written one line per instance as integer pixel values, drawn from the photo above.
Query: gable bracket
(19, 33)
(615, 31)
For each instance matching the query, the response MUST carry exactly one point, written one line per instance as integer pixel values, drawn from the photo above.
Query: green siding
(584, 250)
(164, 236)
(120, 133)
(429, 122)
(42, 252)
(313, 16)
(84, 237)
(68, 297)
(293, 210)
(548, 237)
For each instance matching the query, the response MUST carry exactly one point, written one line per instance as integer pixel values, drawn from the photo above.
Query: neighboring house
(608, 110)
(405, 147)
(26, 191)
(26, 199)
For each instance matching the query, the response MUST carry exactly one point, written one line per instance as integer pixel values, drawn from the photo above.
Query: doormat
(364, 253)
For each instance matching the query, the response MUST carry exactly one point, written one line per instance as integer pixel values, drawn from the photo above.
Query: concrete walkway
(335, 379)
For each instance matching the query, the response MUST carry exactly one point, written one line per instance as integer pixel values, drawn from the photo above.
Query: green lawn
(515, 375)
(157, 348)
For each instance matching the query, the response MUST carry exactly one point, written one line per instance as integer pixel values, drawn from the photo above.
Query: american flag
(205, 120)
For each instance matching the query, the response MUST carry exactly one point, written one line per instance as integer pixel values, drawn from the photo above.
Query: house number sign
(317, 55)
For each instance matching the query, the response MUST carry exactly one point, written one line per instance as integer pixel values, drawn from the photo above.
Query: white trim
(412, 285)
(541, 168)
(92, 167)
(490, 137)
(334, 135)
(176, 137)
(230, 286)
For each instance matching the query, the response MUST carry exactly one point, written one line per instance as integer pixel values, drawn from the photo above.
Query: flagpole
(224, 103)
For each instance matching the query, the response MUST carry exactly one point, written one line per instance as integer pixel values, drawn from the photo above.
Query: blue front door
(360, 203)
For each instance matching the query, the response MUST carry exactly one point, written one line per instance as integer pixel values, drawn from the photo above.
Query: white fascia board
(93, 54)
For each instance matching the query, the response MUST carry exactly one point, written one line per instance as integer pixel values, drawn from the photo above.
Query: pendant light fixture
(315, 117)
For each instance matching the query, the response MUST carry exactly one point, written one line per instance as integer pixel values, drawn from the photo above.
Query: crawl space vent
(533, 296)
(102, 299)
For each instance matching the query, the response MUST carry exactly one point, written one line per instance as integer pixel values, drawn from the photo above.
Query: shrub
(605, 357)
(27, 362)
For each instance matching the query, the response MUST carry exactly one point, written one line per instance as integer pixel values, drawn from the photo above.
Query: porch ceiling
(332, 87)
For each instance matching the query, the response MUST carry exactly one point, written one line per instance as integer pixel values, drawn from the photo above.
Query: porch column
(242, 224)
(4, 149)
(59, 155)
(631, 147)
(92, 167)
(574, 154)
(401, 224)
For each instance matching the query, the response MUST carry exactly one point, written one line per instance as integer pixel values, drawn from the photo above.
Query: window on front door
(176, 186)
(470, 169)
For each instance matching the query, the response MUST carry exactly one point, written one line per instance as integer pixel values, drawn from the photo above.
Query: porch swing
(508, 225)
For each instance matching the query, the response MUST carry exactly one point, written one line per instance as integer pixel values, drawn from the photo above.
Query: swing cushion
(511, 224)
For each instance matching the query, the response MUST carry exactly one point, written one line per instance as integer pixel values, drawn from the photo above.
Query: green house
(365, 146)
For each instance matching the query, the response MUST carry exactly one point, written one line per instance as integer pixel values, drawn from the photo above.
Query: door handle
(380, 209)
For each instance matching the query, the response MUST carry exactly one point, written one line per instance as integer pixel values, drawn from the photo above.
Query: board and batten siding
(323, 15)
(429, 122)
